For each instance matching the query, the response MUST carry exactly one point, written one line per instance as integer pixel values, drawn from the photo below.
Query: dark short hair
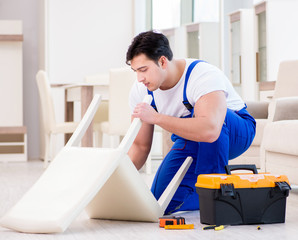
(152, 44)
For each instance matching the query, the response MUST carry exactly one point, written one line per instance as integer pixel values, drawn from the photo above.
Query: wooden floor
(16, 179)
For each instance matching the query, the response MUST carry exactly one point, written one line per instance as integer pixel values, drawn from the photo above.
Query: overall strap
(153, 102)
(185, 100)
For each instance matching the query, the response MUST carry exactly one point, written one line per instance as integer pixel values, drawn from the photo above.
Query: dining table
(83, 92)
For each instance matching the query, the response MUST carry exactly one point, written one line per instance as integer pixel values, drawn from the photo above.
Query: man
(197, 103)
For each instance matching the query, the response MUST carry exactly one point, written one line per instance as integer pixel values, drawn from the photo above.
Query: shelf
(11, 38)
(11, 149)
(13, 144)
(13, 135)
(13, 130)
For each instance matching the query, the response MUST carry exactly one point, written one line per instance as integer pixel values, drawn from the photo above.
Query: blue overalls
(236, 136)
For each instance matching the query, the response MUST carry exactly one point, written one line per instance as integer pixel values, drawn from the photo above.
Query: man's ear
(163, 62)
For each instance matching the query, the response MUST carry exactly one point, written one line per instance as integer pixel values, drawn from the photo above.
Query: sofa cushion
(286, 109)
(284, 164)
(281, 137)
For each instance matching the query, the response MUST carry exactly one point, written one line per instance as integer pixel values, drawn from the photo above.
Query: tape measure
(171, 220)
(183, 226)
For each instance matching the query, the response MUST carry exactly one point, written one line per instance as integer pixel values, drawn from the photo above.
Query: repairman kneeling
(196, 102)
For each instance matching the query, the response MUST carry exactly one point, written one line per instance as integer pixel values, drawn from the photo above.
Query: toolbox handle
(251, 167)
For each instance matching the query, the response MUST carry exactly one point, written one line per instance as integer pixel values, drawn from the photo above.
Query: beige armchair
(279, 148)
(264, 113)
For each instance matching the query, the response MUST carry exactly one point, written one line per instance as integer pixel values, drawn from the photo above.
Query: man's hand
(145, 112)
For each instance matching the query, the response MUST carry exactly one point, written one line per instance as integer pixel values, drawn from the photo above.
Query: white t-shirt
(204, 78)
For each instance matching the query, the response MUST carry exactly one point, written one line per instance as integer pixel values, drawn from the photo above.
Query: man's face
(148, 72)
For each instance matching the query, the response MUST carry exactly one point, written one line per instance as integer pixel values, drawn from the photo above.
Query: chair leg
(47, 154)
(97, 139)
(51, 150)
(114, 141)
(53, 146)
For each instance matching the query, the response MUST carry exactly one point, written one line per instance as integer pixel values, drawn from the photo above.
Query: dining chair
(120, 83)
(103, 181)
(50, 126)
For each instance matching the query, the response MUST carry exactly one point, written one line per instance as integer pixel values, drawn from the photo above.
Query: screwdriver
(215, 227)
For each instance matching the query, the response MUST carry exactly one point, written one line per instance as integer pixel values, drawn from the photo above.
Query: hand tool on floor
(215, 227)
(171, 220)
(180, 227)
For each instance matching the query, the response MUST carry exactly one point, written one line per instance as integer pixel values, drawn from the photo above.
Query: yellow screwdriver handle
(221, 227)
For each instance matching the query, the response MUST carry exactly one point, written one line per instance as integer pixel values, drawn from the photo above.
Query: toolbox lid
(240, 180)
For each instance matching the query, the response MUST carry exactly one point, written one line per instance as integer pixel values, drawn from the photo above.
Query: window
(165, 14)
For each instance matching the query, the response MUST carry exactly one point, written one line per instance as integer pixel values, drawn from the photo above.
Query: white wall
(206, 10)
(165, 14)
(282, 36)
(140, 14)
(86, 37)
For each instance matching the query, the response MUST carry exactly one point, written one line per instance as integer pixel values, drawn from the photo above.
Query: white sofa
(279, 148)
(264, 112)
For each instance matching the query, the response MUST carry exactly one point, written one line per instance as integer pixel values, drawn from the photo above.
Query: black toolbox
(242, 198)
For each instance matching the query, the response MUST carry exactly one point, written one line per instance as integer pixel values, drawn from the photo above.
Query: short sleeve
(202, 84)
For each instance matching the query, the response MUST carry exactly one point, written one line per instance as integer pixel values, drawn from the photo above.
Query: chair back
(286, 84)
(287, 79)
(121, 81)
(102, 114)
(46, 101)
